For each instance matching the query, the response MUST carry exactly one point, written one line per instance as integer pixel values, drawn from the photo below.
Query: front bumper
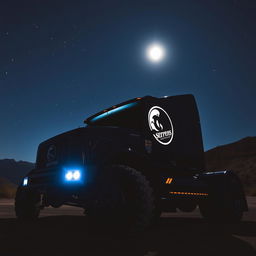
(56, 190)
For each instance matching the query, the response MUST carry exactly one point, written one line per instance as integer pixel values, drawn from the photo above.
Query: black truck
(131, 162)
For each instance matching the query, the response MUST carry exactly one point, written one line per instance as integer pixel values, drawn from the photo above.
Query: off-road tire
(27, 204)
(128, 201)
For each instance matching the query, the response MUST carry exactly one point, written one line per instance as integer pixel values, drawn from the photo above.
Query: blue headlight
(25, 181)
(73, 175)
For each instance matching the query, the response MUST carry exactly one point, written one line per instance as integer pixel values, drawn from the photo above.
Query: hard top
(171, 123)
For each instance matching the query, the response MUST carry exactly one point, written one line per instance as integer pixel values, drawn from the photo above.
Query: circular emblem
(160, 125)
(51, 153)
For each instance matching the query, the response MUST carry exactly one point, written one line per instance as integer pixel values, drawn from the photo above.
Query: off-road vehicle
(131, 162)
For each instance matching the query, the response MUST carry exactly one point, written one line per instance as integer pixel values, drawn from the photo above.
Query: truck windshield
(122, 116)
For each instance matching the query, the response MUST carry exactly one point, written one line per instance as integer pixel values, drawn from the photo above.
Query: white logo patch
(160, 125)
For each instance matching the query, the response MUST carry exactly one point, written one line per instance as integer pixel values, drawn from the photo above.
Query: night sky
(61, 61)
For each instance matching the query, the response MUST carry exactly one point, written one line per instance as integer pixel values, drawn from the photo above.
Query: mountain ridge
(13, 170)
(238, 156)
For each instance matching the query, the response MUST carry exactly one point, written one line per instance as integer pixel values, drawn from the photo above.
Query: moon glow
(155, 52)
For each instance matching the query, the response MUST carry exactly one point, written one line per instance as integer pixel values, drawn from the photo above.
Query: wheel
(226, 207)
(128, 199)
(27, 204)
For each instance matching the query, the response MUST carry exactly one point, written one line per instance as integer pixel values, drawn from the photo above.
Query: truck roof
(118, 106)
(115, 107)
(171, 123)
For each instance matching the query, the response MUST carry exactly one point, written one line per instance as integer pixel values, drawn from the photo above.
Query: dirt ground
(65, 231)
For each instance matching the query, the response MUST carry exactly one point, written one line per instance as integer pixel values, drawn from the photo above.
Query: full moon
(155, 52)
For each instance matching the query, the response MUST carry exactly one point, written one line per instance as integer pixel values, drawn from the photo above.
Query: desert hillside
(11, 174)
(14, 171)
(7, 189)
(240, 157)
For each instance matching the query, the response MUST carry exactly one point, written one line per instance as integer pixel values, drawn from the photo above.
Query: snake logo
(51, 153)
(160, 125)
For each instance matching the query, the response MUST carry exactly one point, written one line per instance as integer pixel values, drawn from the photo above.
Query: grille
(43, 152)
(68, 150)
(42, 180)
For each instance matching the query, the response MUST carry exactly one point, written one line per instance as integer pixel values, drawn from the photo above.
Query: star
(36, 26)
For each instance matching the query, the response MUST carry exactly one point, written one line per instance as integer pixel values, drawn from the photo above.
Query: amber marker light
(188, 193)
(168, 181)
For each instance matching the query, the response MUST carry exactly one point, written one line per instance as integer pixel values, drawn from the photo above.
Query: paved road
(65, 231)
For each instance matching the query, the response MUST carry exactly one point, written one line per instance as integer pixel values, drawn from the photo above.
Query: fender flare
(219, 181)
